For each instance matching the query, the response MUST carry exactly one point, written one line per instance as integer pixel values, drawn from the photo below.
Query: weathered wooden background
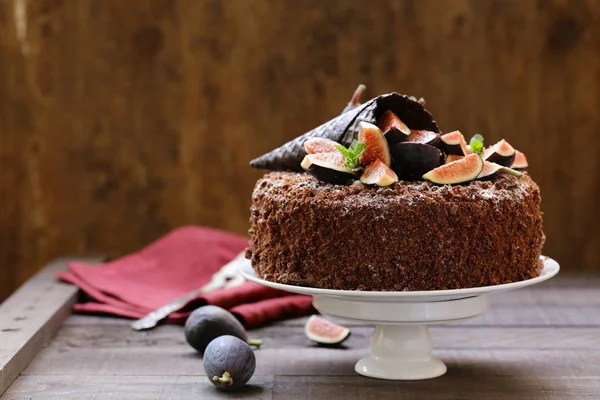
(122, 119)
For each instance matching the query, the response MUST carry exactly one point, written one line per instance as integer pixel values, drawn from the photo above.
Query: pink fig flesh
(520, 161)
(320, 145)
(454, 143)
(501, 153)
(459, 171)
(376, 146)
(377, 173)
(390, 121)
(328, 167)
(425, 137)
(324, 332)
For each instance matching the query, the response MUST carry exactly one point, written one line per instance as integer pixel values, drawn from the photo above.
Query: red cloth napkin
(174, 265)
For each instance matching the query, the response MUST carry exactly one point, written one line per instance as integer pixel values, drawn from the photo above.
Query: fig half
(377, 173)
(389, 122)
(454, 143)
(412, 160)
(320, 145)
(463, 170)
(425, 137)
(376, 146)
(490, 168)
(520, 161)
(328, 167)
(324, 332)
(501, 153)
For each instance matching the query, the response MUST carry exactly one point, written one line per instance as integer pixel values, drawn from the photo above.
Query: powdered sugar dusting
(287, 186)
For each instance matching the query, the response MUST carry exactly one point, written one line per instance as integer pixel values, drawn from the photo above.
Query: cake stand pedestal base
(400, 352)
(401, 346)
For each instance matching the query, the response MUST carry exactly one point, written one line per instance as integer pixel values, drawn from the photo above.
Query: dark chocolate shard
(344, 129)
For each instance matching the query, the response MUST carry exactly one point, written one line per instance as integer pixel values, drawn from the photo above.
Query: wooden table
(537, 343)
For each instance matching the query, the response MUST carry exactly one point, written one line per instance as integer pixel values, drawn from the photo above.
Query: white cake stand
(401, 346)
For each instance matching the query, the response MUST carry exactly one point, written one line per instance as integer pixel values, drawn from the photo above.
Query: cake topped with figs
(380, 199)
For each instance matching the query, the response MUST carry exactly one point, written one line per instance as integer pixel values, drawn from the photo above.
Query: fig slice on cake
(390, 121)
(393, 128)
(422, 136)
(490, 168)
(377, 173)
(376, 147)
(324, 332)
(520, 161)
(412, 160)
(454, 143)
(463, 170)
(501, 153)
(320, 145)
(328, 167)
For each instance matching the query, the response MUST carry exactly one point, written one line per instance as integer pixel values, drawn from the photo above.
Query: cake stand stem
(401, 352)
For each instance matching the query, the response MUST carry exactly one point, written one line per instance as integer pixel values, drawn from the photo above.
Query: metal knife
(227, 276)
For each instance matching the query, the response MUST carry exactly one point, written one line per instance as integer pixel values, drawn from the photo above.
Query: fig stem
(355, 100)
(254, 342)
(226, 379)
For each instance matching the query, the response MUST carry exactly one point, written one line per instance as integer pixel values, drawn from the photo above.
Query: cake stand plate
(401, 346)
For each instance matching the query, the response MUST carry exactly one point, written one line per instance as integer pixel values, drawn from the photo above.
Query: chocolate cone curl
(344, 129)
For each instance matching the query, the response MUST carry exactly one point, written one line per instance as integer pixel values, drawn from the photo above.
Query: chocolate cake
(398, 208)
(408, 236)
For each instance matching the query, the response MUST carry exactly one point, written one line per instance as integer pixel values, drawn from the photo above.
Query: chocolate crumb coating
(408, 236)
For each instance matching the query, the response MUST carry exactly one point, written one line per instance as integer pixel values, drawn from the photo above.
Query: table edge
(30, 317)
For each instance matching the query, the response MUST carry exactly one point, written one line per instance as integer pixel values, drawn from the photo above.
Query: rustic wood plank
(551, 296)
(497, 316)
(104, 349)
(130, 387)
(30, 317)
(557, 302)
(447, 387)
(452, 386)
(534, 351)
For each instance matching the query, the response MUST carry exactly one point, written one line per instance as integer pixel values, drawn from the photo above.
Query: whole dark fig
(412, 160)
(229, 362)
(209, 322)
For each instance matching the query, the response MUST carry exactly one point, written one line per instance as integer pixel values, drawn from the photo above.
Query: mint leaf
(477, 138)
(352, 154)
(477, 147)
(359, 148)
(476, 144)
(342, 150)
